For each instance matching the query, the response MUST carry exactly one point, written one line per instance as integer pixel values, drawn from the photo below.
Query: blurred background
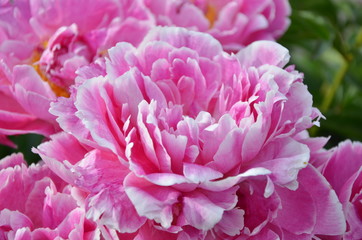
(325, 42)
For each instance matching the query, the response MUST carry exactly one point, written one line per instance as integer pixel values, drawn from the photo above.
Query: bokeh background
(325, 42)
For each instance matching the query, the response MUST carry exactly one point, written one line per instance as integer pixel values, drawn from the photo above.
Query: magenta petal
(5, 141)
(329, 215)
(45, 233)
(354, 220)
(311, 209)
(346, 161)
(265, 234)
(259, 210)
(289, 235)
(344, 172)
(298, 214)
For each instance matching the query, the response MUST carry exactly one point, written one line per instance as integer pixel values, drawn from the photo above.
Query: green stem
(341, 73)
(331, 91)
(358, 41)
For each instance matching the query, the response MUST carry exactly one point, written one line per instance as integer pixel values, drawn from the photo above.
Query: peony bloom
(344, 172)
(67, 29)
(36, 204)
(180, 140)
(43, 43)
(234, 23)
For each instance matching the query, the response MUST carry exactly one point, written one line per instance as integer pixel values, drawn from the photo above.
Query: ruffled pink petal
(203, 44)
(47, 17)
(113, 208)
(13, 160)
(57, 156)
(152, 201)
(97, 116)
(284, 158)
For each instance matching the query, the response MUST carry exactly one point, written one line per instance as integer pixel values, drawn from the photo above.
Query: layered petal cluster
(344, 172)
(176, 139)
(24, 102)
(43, 43)
(36, 204)
(234, 23)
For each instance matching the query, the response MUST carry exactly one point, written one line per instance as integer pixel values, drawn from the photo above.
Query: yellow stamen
(211, 14)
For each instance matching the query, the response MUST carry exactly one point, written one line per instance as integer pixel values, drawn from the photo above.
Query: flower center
(59, 92)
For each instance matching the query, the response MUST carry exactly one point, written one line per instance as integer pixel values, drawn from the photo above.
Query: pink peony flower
(36, 204)
(28, 27)
(234, 23)
(344, 172)
(181, 140)
(43, 43)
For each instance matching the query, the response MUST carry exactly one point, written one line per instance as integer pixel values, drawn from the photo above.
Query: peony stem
(331, 91)
(341, 73)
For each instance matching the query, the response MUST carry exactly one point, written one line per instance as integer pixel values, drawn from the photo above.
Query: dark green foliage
(24, 144)
(325, 42)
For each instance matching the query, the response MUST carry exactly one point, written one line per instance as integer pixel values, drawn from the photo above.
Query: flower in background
(344, 173)
(234, 23)
(43, 43)
(184, 141)
(36, 204)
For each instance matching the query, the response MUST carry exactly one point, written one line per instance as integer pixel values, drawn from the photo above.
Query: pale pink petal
(284, 158)
(200, 212)
(264, 52)
(57, 156)
(152, 201)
